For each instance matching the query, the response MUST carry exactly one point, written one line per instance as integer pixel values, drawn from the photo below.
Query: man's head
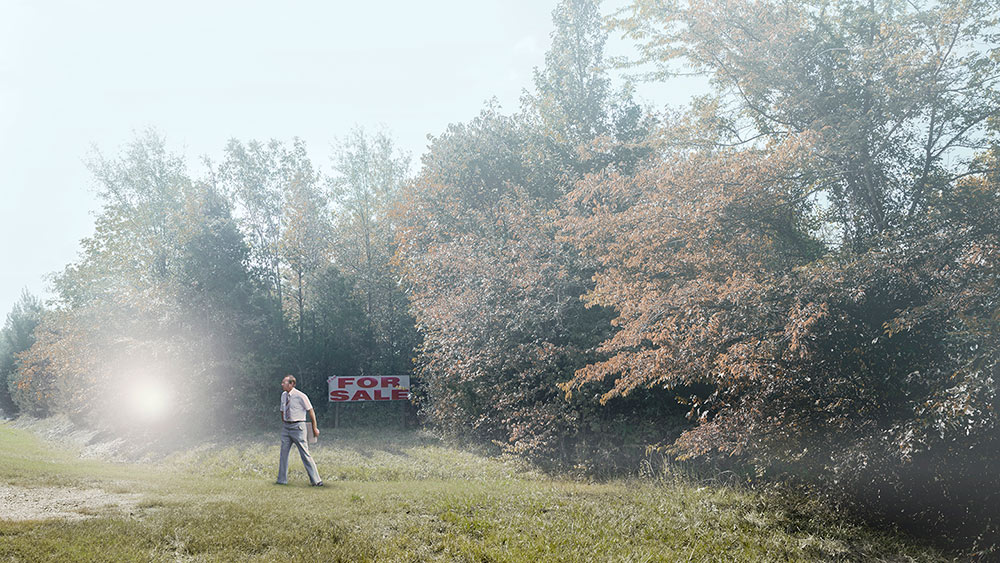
(288, 383)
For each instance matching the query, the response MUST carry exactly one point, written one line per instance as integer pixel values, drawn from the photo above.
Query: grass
(406, 497)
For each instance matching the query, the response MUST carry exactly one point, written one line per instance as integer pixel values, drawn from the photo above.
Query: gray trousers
(295, 433)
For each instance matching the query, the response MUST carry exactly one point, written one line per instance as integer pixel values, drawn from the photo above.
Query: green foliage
(304, 247)
(340, 328)
(204, 293)
(574, 123)
(17, 336)
(370, 172)
(805, 259)
(494, 288)
(899, 94)
(253, 174)
(161, 297)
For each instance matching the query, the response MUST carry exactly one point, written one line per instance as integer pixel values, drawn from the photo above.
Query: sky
(76, 77)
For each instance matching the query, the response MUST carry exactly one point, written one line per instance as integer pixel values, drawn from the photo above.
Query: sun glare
(149, 399)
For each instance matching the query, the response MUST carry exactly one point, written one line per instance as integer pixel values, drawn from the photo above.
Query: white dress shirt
(295, 406)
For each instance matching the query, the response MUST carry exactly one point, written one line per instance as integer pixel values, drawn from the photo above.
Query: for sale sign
(346, 389)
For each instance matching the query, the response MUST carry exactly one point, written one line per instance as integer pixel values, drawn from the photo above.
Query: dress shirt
(295, 406)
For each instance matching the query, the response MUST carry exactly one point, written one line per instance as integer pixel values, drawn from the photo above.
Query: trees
(898, 94)
(220, 284)
(572, 93)
(253, 174)
(18, 335)
(695, 255)
(497, 310)
(871, 374)
(814, 249)
(369, 174)
(127, 275)
(575, 123)
(493, 287)
(305, 242)
(224, 315)
(161, 295)
(808, 257)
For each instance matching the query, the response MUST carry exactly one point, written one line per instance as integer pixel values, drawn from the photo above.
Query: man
(294, 407)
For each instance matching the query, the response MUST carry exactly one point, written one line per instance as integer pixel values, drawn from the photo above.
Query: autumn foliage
(796, 274)
(873, 370)
(805, 260)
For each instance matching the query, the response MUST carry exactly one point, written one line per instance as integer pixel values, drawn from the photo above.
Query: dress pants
(295, 433)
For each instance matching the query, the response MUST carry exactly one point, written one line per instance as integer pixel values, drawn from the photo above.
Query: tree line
(796, 273)
(218, 284)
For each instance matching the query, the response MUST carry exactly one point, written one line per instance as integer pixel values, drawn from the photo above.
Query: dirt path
(24, 503)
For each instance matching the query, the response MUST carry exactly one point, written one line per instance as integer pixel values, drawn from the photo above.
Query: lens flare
(149, 400)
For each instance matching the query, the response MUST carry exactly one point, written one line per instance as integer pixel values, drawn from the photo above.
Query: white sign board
(350, 389)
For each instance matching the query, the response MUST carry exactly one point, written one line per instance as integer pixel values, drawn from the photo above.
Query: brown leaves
(690, 255)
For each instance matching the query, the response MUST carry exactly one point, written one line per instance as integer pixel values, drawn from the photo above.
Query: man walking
(294, 407)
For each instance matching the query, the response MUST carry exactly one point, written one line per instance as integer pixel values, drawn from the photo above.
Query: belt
(293, 421)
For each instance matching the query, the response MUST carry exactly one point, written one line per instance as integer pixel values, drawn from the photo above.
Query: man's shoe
(320, 484)
(279, 483)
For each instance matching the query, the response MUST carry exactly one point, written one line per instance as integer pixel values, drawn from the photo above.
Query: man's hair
(291, 379)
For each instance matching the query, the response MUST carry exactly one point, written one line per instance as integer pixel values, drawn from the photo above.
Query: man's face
(286, 385)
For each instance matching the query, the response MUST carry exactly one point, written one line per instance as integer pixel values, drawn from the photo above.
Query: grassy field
(406, 497)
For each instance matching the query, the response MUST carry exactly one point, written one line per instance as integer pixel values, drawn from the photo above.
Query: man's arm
(312, 415)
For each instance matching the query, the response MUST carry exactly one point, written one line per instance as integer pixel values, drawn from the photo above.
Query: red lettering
(390, 382)
(338, 395)
(344, 382)
(367, 382)
(400, 394)
(379, 397)
(361, 395)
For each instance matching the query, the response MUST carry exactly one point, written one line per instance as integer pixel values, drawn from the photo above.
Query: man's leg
(307, 460)
(286, 444)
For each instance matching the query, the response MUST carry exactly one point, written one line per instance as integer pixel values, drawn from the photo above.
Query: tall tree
(572, 90)
(578, 123)
(121, 296)
(136, 240)
(254, 175)
(369, 172)
(306, 238)
(305, 245)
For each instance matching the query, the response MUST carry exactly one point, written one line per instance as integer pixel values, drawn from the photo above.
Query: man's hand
(315, 431)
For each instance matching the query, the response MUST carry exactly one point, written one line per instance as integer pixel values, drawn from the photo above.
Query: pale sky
(76, 75)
